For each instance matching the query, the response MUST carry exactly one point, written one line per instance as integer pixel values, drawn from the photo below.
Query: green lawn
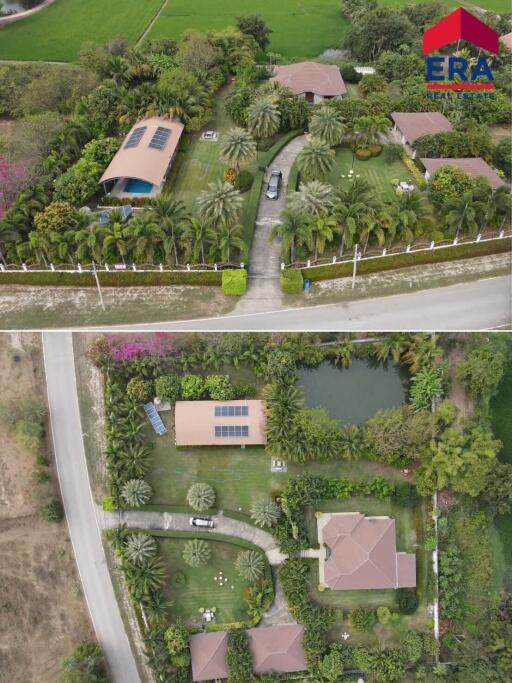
(57, 32)
(301, 28)
(494, 5)
(376, 170)
(200, 588)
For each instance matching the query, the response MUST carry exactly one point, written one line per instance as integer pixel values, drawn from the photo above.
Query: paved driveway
(264, 291)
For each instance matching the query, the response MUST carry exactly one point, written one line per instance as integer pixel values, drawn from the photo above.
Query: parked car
(274, 185)
(202, 521)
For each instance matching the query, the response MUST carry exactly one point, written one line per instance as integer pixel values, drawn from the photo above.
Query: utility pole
(98, 285)
(355, 267)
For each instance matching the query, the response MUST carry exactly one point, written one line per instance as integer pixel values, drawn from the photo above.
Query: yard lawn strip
(58, 32)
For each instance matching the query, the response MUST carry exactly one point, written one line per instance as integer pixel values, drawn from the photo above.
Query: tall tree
(327, 125)
(316, 160)
(220, 204)
(263, 118)
(237, 147)
(294, 230)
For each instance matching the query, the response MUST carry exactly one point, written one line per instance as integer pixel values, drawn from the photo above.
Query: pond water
(354, 394)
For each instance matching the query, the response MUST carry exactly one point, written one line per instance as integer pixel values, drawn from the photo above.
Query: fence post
(502, 233)
(188, 267)
(455, 241)
(134, 267)
(79, 267)
(215, 266)
(2, 267)
(161, 268)
(432, 244)
(309, 263)
(242, 265)
(384, 251)
(407, 248)
(282, 265)
(478, 237)
(334, 259)
(107, 267)
(52, 267)
(24, 266)
(355, 267)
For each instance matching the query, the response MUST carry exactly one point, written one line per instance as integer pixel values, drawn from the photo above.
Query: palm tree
(348, 216)
(315, 160)
(393, 345)
(412, 214)
(327, 125)
(143, 579)
(377, 224)
(422, 351)
(249, 564)
(368, 129)
(265, 512)
(492, 205)
(352, 443)
(114, 241)
(293, 230)
(461, 213)
(140, 547)
(195, 236)
(135, 460)
(155, 605)
(224, 240)
(220, 204)
(323, 227)
(201, 496)
(237, 147)
(89, 243)
(313, 198)
(196, 552)
(169, 214)
(342, 354)
(144, 237)
(263, 118)
(136, 492)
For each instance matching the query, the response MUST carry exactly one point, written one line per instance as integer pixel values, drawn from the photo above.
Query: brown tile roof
(142, 161)
(277, 649)
(416, 124)
(474, 166)
(320, 79)
(208, 652)
(195, 423)
(362, 553)
(507, 40)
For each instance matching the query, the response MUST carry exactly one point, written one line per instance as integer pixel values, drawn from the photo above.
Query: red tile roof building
(311, 80)
(476, 167)
(208, 652)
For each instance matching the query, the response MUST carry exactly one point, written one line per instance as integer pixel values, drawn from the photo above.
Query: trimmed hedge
(292, 281)
(234, 282)
(461, 251)
(114, 279)
(293, 179)
(363, 154)
(250, 209)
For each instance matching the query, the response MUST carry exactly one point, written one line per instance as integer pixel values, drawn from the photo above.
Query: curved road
(80, 508)
(478, 305)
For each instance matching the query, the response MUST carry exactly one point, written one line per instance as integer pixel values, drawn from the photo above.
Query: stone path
(140, 519)
(264, 291)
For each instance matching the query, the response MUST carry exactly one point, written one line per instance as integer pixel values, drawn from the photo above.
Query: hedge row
(461, 251)
(292, 281)
(114, 279)
(293, 178)
(234, 282)
(250, 210)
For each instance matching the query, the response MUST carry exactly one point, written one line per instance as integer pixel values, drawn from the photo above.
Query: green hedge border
(115, 279)
(461, 251)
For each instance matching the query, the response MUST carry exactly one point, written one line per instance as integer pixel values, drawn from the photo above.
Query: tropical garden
(392, 463)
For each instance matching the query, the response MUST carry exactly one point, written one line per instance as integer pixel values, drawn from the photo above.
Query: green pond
(354, 394)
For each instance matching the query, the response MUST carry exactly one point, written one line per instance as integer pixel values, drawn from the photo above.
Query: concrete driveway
(264, 291)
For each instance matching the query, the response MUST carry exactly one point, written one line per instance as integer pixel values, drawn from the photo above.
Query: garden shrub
(113, 279)
(230, 176)
(168, 388)
(245, 180)
(139, 390)
(238, 658)
(234, 282)
(419, 179)
(362, 619)
(52, 511)
(250, 209)
(375, 150)
(383, 615)
(393, 152)
(192, 387)
(109, 504)
(219, 388)
(407, 600)
(363, 154)
(243, 390)
(292, 281)
(349, 74)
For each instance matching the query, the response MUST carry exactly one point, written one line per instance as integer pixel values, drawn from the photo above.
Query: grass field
(493, 5)
(200, 588)
(377, 171)
(57, 32)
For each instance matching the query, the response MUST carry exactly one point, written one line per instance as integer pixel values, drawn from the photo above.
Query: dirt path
(151, 24)
(457, 393)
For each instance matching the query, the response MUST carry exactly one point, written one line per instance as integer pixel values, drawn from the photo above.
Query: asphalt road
(478, 305)
(80, 508)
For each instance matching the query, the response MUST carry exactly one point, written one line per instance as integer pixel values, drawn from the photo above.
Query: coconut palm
(323, 227)
(265, 512)
(376, 224)
(140, 547)
(342, 354)
(169, 214)
(412, 214)
(294, 230)
(423, 351)
(220, 204)
(224, 240)
(201, 496)
(263, 118)
(349, 217)
(114, 243)
(155, 606)
(461, 213)
(250, 565)
(194, 237)
(143, 579)
(196, 552)
(327, 125)
(136, 492)
(368, 129)
(352, 443)
(134, 461)
(391, 345)
(493, 206)
(315, 160)
(237, 147)
(313, 198)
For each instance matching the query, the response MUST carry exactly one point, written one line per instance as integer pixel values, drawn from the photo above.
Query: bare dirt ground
(42, 612)
(38, 308)
(457, 393)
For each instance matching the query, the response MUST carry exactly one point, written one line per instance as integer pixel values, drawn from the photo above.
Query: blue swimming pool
(135, 186)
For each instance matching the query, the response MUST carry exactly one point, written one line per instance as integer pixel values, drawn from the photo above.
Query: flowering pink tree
(13, 179)
(126, 347)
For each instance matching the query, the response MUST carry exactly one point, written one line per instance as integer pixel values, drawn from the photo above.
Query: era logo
(459, 25)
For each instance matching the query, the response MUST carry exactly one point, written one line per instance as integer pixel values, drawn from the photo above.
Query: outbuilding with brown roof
(476, 167)
(360, 553)
(277, 649)
(208, 652)
(311, 80)
(410, 126)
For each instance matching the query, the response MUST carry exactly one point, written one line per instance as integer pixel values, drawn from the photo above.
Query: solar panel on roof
(231, 411)
(231, 431)
(155, 419)
(135, 137)
(160, 137)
